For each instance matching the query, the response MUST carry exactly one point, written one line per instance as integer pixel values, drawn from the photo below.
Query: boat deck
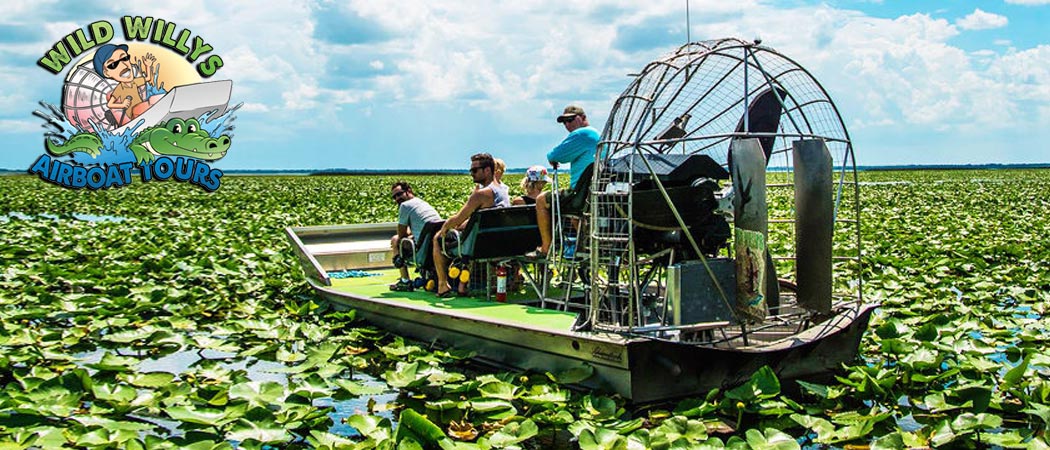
(517, 310)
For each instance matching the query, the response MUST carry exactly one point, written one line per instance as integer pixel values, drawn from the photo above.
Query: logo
(141, 108)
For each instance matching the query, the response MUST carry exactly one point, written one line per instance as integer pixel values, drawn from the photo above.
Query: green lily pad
(417, 427)
(541, 393)
(771, 439)
(257, 393)
(356, 389)
(514, 433)
(763, 384)
(149, 379)
(499, 390)
(115, 363)
(116, 393)
(404, 375)
(572, 376)
(374, 427)
(206, 416)
(260, 431)
(602, 439)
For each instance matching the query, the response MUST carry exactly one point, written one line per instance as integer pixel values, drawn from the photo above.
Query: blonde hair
(526, 184)
(500, 167)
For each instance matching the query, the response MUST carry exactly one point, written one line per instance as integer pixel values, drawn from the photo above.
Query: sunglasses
(475, 169)
(398, 194)
(566, 119)
(114, 64)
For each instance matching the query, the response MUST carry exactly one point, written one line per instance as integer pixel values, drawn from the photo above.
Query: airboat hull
(525, 337)
(184, 102)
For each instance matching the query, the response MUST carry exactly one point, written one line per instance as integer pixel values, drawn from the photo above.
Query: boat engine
(691, 183)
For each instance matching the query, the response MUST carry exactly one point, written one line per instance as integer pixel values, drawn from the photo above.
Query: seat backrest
(501, 232)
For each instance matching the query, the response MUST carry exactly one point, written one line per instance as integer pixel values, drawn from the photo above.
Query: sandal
(447, 294)
(536, 255)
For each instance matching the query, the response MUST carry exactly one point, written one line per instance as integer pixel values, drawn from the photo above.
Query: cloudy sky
(424, 83)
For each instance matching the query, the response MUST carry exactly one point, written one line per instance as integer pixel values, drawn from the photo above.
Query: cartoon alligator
(176, 137)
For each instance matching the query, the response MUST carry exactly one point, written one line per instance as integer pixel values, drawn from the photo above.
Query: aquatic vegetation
(187, 323)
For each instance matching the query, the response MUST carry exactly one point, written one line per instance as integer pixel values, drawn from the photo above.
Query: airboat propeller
(766, 121)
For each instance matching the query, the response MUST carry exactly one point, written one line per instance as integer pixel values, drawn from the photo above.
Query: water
(343, 409)
(258, 370)
(1025, 312)
(219, 125)
(116, 147)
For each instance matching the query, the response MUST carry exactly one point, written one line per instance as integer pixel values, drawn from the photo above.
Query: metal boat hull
(639, 368)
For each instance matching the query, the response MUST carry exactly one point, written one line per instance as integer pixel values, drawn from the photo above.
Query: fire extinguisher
(501, 283)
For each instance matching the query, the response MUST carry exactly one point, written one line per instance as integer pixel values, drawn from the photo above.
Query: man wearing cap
(577, 149)
(114, 62)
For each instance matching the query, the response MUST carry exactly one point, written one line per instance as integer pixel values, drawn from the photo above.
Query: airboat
(722, 235)
(84, 97)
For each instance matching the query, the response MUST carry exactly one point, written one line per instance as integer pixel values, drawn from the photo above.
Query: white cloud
(981, 20)
(522, 61)
(254, 107)
(308, 95)
(1029, 2)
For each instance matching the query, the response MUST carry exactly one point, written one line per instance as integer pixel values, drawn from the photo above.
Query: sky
(423, 84)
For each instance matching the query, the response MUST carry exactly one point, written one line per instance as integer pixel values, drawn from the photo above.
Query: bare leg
(543, 220)
(441, 267)
(462, 289)
(395, 245)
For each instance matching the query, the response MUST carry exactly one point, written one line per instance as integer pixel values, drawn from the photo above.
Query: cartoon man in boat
(127, 100)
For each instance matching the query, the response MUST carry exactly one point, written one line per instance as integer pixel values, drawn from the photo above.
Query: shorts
(572, 201)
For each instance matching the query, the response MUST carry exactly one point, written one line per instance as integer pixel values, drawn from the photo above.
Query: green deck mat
(510, 313)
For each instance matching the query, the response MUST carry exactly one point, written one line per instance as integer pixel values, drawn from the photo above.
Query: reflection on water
(256, 370)
(346, 408)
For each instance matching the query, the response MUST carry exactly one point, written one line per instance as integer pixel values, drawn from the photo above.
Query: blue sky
(423, 84)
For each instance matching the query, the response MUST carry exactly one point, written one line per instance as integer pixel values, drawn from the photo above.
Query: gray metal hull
(641, 369)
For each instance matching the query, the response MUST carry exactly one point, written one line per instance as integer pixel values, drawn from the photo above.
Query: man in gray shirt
(413, 216)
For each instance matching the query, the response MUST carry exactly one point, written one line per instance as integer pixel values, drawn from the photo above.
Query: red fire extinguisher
(501, 283)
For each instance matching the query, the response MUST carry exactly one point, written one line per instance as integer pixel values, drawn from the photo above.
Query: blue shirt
(577, 149)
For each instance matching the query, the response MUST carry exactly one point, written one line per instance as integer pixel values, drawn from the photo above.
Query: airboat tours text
(157, 31)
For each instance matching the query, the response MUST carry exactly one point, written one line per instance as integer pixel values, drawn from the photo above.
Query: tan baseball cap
(570, 112)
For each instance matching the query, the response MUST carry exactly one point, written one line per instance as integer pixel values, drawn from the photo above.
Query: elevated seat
(494, 233)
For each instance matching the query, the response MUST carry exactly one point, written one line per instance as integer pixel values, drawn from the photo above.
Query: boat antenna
(688, 39)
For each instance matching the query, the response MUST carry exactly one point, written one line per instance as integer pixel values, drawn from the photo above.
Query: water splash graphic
(115, 147)
(220, 125)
